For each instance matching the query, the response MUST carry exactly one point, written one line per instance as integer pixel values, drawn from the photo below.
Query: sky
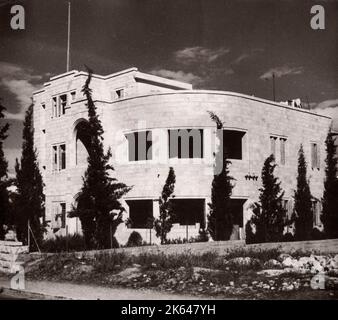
(231, 45)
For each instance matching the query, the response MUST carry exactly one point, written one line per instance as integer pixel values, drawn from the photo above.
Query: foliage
(249, 233)
(4, 183)
(29, 199)
(203, 235)
(287, 237)
(164, 223)
(98, 207)
(316, 234)
(134, 240)
(330, 196)
(74, 242)
(269, 216)
(220, 217)
(303, 206)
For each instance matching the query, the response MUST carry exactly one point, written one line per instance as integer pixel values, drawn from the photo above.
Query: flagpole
(68, 39)
(273, 86)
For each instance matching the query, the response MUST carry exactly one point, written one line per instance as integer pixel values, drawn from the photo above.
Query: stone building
(142, 115)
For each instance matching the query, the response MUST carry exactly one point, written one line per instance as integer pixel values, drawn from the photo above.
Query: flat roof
(137, 75)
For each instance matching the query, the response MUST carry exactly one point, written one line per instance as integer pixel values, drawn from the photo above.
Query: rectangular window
(62, 150)
(287, 206)
(233, 144)
(62, 104)
(55, 158)
(140, 213)
(119, 94)
(273, 143)
(316, 210)
(185, 143)
(189, 211)
(63, 214)
(282, 150)
(58, 215)
(59, 105)
(139, 145)
(59, 157)
(54, 107)
(315, 164)
(73, 95)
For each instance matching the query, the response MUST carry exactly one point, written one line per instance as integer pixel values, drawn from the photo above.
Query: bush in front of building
(330, 196)
(74, 242)
(316, 234)
(220, 217)
(98, 204)
(269, 215)
(29, 199)
(303, 215)
(134, 240)
(164, 223)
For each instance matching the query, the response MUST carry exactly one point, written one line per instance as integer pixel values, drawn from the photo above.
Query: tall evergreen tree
(302, 216)
(164, 223)
(220, 217)
(4, 196)
(330, 196)
(29, 199)
(269, 215)
(98, 205)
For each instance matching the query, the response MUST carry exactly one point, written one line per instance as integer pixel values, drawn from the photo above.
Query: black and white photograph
(168, 154)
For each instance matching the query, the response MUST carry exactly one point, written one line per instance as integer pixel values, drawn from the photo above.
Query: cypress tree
(4, 195)
(29, 199)
(220, 217)
(330, 196)
(164, 223)
(269, 215)
(98, 207)
(302, 216)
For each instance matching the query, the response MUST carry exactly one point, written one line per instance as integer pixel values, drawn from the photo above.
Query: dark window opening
(62, 156)
(140, 212)
(63, 104)
(185, 143)
(233, 144)
(139, 145)
(63, 214)
(315, 164)
(73, 95)
(119, 93)
(83, 140)
(189, 211)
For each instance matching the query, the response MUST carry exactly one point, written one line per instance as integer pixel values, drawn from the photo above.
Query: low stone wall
(318, 246)
(221, 247)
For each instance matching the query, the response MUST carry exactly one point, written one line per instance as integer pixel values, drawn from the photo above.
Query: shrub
(203, 235)
(249, 234)
(107, 262)
(74, 242)
(135, 240)
(175, 241)
(316, 234)
(287, 237)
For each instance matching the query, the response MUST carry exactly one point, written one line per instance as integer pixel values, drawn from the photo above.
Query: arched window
(82, 142)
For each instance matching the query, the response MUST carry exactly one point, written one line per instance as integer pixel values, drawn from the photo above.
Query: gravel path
(89, 292)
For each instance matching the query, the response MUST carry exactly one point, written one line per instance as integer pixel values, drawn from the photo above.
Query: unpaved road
(90, 292)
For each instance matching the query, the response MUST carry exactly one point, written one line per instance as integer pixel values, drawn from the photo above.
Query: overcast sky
(231, 45)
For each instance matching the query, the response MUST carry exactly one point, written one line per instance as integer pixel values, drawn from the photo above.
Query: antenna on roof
(68, 39)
